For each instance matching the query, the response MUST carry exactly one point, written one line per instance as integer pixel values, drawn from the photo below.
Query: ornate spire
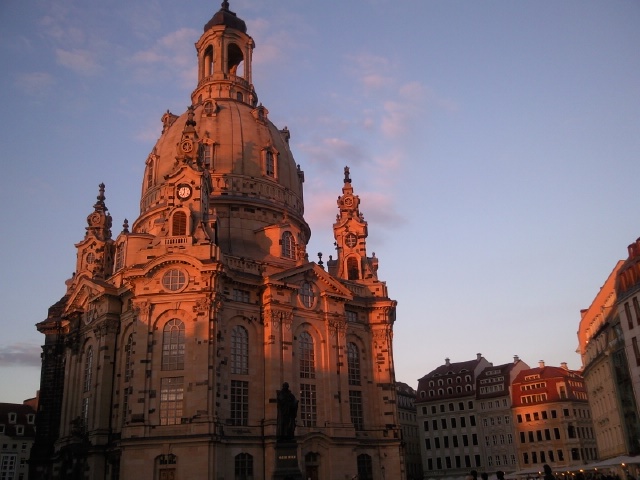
(99, 222)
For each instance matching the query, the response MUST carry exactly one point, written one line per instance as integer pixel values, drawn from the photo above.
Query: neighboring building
(606, 374)
(493, 404)
(164, 356)
(17, 431)
(552, 419)
(409, 426)
(628, 306)
(447, 419)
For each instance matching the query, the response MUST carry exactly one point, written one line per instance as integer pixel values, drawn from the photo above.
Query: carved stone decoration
(201, 306)
(338, 326)
(142, 309)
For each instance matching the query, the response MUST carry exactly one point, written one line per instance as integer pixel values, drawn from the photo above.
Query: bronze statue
(287, 412)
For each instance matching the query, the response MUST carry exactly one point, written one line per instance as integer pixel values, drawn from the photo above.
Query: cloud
(172, 53)
(34, 83)
(333, 150)
(79, 60)
(20, 354)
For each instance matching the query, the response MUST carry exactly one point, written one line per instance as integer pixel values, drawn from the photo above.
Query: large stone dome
(252, 179)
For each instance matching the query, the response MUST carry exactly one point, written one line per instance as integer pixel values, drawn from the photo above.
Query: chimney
(479, 356)
(447, 362)
(516, 359)
(541, 364)
(564, 365)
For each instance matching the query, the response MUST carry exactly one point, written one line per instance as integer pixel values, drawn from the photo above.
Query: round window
(91, 258)
(174, 280)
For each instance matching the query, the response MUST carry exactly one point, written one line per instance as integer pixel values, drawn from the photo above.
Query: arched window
(288, 245)
(353, 272)
(307, 356)
(239, 350)
(88, 369)
(208, 61)
(179, 224)
(365, 467)
(449, 390)
(234, 59)
(128, 363)
(353, 362)
(173, 345)
(243, 466)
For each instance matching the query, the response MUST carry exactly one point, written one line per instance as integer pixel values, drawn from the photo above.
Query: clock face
(186, 146)
(184, 191)
(348, 201)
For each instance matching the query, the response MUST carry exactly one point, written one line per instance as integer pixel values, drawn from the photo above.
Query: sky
(494, 146)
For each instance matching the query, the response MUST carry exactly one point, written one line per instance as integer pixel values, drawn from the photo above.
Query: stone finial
(347, 178)
(125, 226)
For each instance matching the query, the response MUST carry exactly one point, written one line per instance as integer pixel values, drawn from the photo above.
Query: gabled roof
(292, 276)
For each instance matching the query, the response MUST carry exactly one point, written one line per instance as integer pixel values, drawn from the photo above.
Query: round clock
(184, 192)
(348, 201)
(351, 240)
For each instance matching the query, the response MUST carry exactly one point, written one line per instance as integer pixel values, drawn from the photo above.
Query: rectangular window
(239, 402)
(453, 422)
(446, 442)
(463, 422)
(522, 437)
(8, 465)
(544, 414)
(171, 398)
(240, 295)
(627, 312)
(443, 421)
(351, 316)
(437, 442)
(455, 440)
(467, 461)
(474, 438)
(477, 459)
(636, 350)
(636, 309)
(308, 408)
(426, 425)
(465, 440)
(427, 443)
(355, 408)
(556, 433)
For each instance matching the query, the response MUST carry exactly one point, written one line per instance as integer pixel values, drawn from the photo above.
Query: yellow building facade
(163, 358)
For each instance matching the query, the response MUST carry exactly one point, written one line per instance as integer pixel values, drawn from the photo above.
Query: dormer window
(12, 417)
(179, 224)
(270, 164)
(288, 245)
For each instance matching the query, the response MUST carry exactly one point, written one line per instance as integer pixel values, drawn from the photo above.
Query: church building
(163, 359)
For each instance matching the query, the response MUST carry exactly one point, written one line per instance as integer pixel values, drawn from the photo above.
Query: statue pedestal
(287, 467)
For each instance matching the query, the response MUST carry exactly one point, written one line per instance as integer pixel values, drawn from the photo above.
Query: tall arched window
(179, 224)
(353, 272)
(353, 362)
(243, 466)
(308, 399)
(173, 345)
(365, 467)
(307, 356)
(88, 369)
(288, 245)
(239, 350)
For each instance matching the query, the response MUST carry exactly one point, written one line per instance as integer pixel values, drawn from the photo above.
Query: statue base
(287, 467)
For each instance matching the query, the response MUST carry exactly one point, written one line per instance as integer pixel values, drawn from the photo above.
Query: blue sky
(494, 146)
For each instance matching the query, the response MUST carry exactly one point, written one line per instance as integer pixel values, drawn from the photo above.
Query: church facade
(163, 358)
